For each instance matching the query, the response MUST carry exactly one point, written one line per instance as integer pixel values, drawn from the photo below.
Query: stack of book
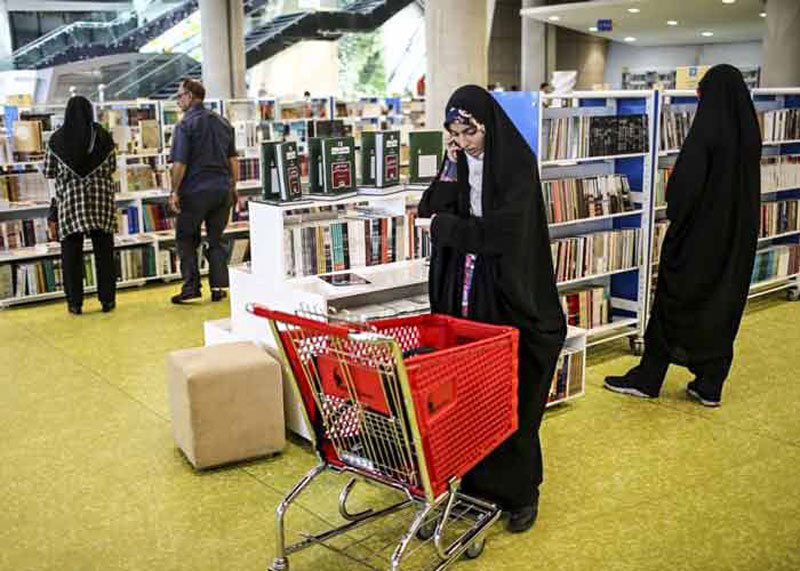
(586, 307)
(780, 172)
(329, 246)
(578, 198)
(24, 233)
(578, 137)
(662, 179)
(568, 377)
(597, 253)
(779, 217)
(24, 187)
(675, 125)
(776, 262)
(780, 125)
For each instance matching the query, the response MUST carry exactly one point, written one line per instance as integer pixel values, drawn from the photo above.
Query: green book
(380, 158)
(425, 153)
(280, 171)
(332, 165)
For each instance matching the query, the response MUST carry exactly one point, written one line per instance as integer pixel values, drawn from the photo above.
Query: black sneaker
(694, 392)
(522, 519)
(109, 306)
(74, 309)
(626, 387)
(182, 298)
(218, 294)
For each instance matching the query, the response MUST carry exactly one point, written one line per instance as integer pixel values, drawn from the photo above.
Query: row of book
(128, 220)
(779, 217)
(246, 134)
(568, 377)
(578, 198)
(144, 176)
(596, 253)
(778, 261)
(325, 247)
(419, 243)
(23, 187)
(581, 136)
(675, 125)
(157, 216)
(780, 125)
(249, 169)
(24, 233)
(662, 178)
(586, 307)
(780, 172)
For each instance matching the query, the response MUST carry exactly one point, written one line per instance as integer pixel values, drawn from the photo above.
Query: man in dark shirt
(204, 173)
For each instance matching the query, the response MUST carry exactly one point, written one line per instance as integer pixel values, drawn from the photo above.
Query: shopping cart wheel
(426, 530)
(474, 551)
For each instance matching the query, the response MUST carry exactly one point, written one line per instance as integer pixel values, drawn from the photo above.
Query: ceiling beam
(66, 6)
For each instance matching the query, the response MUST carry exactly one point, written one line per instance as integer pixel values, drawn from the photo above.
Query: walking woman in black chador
(707, 258)
(491, 262)
(80, 157)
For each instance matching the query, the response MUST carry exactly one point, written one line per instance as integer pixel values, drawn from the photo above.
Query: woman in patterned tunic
(491, 262)
(80, 157)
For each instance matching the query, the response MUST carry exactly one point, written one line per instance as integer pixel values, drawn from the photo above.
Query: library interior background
(167, 436)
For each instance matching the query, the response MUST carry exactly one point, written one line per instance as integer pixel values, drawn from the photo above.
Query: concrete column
(782, 44)
(5, 36)
(222, 35)
(534, 50)
(455, 36)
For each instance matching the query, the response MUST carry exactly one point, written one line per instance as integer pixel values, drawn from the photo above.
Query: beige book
(28, 136)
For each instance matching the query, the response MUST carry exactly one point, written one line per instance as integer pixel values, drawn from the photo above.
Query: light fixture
(729, 1)
(593, 29)
(554, 18)
(762, 14)
(630, 39)
(706, 34)
(634, 10)
(672, 22)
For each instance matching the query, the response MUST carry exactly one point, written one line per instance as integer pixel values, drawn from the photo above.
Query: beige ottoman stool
(226, 403)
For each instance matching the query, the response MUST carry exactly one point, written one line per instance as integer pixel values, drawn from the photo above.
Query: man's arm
(177, 173)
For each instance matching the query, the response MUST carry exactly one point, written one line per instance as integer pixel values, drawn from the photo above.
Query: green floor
(90, 479)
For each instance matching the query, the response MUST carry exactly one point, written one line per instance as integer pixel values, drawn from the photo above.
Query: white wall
(746, 54)
(309, 65)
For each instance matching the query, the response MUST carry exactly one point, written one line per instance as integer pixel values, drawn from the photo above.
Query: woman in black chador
(491, 262)
(707, 258)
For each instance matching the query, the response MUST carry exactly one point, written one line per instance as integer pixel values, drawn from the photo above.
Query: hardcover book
(332, 165)
(280, 171)
(380, 158)
(425, 150)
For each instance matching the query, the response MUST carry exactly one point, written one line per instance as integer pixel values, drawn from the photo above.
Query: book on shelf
(134, 263)
(280, 171)
(675, 125)
(27, 139)
(240, 211)
(578, 137)
(24, 233)
(778, 261)
(141, 176)
(583, 256)
(578, 198)
(780, 125)
(779, 217)
(380, 158)
(249, 169)
(240, 251)
(659, 235)
(43, 276)
(326, 128)
(425, 150)
(568, 377)
(332, 165)
(128, 220)
(169, 263)
(419, 242)
(662, 180)
(157, 217)
(149, 135)
(6, 150)
(336, 245)
(24, 187)
(586, 307)
(780, 172)
(246, 134)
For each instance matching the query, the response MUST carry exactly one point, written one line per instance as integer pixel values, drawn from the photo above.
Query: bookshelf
(599, 250)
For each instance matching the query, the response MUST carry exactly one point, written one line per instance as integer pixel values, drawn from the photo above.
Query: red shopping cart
(412, 403)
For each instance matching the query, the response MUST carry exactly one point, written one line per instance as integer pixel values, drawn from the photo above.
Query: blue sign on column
(604, 25)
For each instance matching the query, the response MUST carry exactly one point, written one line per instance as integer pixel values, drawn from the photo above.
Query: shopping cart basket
(412, 403)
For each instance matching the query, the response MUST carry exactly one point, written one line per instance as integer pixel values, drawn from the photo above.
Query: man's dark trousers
(213, 208)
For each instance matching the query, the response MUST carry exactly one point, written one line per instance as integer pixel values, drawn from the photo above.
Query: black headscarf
(713, 205)
(513, 281)
(80, 143)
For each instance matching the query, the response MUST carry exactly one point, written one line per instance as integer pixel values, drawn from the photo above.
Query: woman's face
(470, 137)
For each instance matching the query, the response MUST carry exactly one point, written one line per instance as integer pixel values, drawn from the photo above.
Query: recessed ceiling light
(554, 18)
(593, 29)
(630, 39)
(729, 1)
(672, 22)
(634, 10)
(706, 34)
(762, 14)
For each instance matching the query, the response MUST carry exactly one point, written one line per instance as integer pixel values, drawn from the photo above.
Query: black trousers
(649, 374)
(213, 208)
(72, 266)
(510, 476)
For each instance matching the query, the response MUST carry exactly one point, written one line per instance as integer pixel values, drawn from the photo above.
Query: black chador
(707, 258)
(512, 282)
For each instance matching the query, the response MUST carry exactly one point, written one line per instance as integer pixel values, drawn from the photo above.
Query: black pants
(648, 375)
(213, 208)
(72, 266)
(511, 474)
